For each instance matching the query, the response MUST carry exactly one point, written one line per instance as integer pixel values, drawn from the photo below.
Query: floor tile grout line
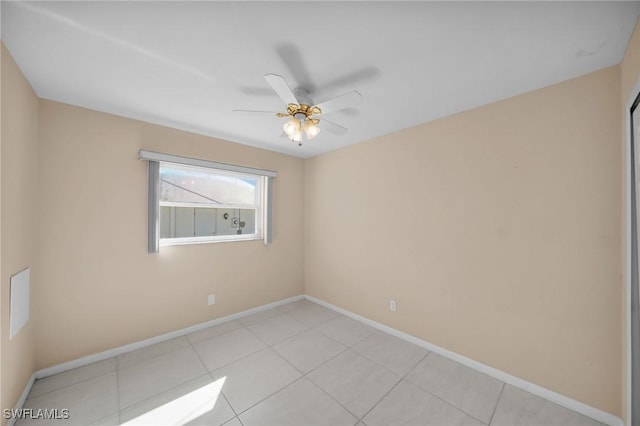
(304, 376)
(404, 377)
(189, 345)
(311, 305)
(414, 367)
(288, 362)
(559, 406)
(246, 356)
(193, 348)
(238, 359)
(497, 402)
(384, 366)
(117, 414)
(72, 384)
(446, 402)
(269, 396)
(326, 361)
(347, 348)
(151, 357)
(232, 409)
(278, 312)
(306, 328)
(164, 391)
(314, 368)
(381, 398)
(210, 373)
(217, 335)
(273, 344)
(394, 386)
(310, 380)
(337, 315)
(356, 342)
(329, 395)
(270, 347)
(317, 330)
(176, 386)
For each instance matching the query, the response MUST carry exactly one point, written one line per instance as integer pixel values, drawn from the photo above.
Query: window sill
(165, 242)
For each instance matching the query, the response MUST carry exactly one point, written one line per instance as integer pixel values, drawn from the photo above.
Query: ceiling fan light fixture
(292, 127)
(310, 129)
(302, 114)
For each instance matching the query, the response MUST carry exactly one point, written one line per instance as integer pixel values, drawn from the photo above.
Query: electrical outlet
(211, 299)
(392, 305)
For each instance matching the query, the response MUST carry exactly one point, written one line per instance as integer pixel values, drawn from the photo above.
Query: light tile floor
(298, 364)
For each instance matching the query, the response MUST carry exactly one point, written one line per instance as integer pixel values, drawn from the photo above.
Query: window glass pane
(195, 185)
(185, 222)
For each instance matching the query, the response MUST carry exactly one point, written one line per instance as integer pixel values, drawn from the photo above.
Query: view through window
(201, 204)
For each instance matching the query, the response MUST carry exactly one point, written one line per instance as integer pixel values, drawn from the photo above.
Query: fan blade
(332, 127)
(279, 85)
(347, 100)
(291, 57)
(246, 111)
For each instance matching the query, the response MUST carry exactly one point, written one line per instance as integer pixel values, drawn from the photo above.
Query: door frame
(633, 98)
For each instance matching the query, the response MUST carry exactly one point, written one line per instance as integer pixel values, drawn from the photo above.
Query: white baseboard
(80, 362)
(571, 404)
(23, 397)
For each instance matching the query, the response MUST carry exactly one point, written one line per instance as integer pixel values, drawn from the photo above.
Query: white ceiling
(189, 64)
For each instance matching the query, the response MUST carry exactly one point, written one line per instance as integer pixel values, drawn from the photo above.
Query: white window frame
(263, 208)
(258, 206)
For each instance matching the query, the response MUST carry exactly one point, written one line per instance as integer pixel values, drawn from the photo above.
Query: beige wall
(19, 169)
(629, 77)
(514, 260)
(98, 286)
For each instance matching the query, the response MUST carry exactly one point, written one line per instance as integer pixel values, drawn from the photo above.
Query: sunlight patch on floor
(184, 409)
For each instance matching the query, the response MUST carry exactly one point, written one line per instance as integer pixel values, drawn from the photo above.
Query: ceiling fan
(305, 116)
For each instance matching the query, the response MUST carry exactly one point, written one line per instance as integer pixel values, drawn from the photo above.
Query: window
(198, 204)
(197, 201)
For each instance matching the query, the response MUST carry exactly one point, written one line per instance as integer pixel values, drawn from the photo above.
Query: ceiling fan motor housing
(302, 96)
